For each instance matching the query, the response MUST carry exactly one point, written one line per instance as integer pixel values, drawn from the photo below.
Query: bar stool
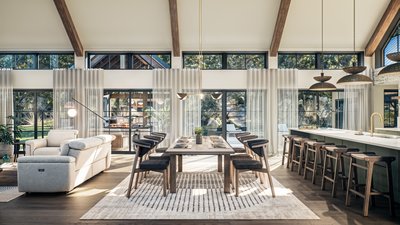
(313, 159)
(371, 159)
(336, 166)
(287, 145)
(297, 159)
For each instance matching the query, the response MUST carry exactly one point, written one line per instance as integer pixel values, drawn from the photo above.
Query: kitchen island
(385, 145)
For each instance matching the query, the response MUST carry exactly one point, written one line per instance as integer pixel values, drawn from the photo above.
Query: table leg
(227, 173)
(180, 166)
(219, 163)
(172, 173)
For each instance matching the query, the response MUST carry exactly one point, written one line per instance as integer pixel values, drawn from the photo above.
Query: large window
(311, 61)
(139, 61)
(226, 60)
(391, 108)
(391, 46)
(320, 109)
(127, 113)
(225, 116)
(33, 111)
(33, 61)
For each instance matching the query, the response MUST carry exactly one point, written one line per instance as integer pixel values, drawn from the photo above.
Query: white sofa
(80, 159)
(51, 145)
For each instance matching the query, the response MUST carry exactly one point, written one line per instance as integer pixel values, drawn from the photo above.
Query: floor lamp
(72, 112)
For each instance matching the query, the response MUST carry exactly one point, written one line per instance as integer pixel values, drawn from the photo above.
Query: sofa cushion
(56, 137)
(46, 159)
(47, 151)
(85, 143)
(105, 137)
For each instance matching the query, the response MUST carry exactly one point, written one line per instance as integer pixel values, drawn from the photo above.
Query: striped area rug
(200, 196)
(8, 193)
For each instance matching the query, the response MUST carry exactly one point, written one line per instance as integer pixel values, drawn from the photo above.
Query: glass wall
(311, 61)
(128, 116)
(33, 111)
(320, 109)
(34, 61)
(226, 60)
(138, 61)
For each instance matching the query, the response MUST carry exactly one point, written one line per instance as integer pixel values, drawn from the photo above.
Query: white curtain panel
(86, 86)
(170, 115)
(356, 107)
(272, 103)
(6, 96)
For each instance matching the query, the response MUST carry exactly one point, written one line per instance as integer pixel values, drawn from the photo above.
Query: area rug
(200, 196)
(8, 193)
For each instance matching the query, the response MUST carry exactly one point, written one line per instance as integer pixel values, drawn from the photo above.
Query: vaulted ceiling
(144, 25)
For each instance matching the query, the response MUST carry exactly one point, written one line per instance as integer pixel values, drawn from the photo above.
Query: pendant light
(354, 78)
(322, 84)
(216, 95)
(393, 69)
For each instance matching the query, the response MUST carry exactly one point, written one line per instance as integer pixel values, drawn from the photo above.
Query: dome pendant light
(354, 78)
(322, 84)
(393, 69)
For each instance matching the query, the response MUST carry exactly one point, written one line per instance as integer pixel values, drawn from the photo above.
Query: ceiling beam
(279, 26)
(69, 26)
(387, 19)
(173, 13)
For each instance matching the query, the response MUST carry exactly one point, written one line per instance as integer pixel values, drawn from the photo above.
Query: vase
(5, 150)
(199, 139)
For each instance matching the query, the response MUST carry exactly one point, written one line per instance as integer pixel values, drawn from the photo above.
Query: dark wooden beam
(279, 26)
(387, 19)
(173, 13)
(69, 26)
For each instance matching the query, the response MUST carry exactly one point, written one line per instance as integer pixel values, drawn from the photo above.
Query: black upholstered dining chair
(259, 164)
(141, 164)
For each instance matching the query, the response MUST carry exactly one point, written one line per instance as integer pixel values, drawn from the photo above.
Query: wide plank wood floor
(68, 208)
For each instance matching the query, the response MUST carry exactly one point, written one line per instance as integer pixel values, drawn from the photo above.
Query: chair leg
(128, 193)
(137, 179)
(284, 152)
(269, 177)
(165, 183)
(390, 187)
(237, 182)
(368, 183)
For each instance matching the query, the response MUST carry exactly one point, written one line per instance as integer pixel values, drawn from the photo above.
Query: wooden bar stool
(287, 147)
(313, 159)
(298, 156)
(367, 161)
(336, 166)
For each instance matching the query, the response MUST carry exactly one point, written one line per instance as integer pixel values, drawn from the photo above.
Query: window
(33, 111)
(391, 108)
(311, 61)
(391, 46)
(320, 109)
(138, 61)
(226, 60)
(33, 61)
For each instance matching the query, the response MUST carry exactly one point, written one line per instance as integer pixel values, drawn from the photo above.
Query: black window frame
(36, 55)
(129, 55)
(318, 58)
(224, 56)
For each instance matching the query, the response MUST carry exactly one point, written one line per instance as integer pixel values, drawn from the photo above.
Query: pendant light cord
(200, 34)
(322, 36)
(354, 26)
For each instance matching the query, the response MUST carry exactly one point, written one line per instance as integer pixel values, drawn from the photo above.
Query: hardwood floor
(68, 208)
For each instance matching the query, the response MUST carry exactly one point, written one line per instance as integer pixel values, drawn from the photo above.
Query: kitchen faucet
(372, 121)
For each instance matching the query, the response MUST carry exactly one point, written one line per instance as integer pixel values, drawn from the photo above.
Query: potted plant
(7, 136)
(198, 131)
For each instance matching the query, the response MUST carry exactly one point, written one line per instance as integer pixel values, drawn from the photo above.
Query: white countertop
(389, 129)
(349, 135)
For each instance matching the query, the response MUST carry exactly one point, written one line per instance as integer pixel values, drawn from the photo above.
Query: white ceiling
(235, 25)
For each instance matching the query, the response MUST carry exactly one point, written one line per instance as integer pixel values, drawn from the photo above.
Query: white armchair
(51, 145)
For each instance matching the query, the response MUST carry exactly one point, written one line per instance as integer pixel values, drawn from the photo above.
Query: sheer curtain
(6, 96)
(86, 86)
(170, 115)
(356, 107)
(272, 103)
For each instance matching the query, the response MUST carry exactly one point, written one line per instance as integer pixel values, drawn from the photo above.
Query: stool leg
(335, 174)
(284, 152)
(290, 152)
(368, 184)
(390, 186)
(323, 172)
(305, 163)
(349, 182)
(342, 172)
(301, 159)
(316, 155)
(294, 153)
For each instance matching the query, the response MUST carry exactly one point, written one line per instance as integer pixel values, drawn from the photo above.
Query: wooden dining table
(210, 146)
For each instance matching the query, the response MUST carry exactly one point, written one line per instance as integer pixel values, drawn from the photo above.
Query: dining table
(211, 145)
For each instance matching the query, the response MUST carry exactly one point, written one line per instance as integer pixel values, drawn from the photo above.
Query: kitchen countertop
(389, 129)
(349, 135)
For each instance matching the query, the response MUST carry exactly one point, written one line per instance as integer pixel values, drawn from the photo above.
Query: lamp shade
(354, 79)
(72, 112)
(182, 96)
(392, 69)
(322, 86)
(216, 95)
